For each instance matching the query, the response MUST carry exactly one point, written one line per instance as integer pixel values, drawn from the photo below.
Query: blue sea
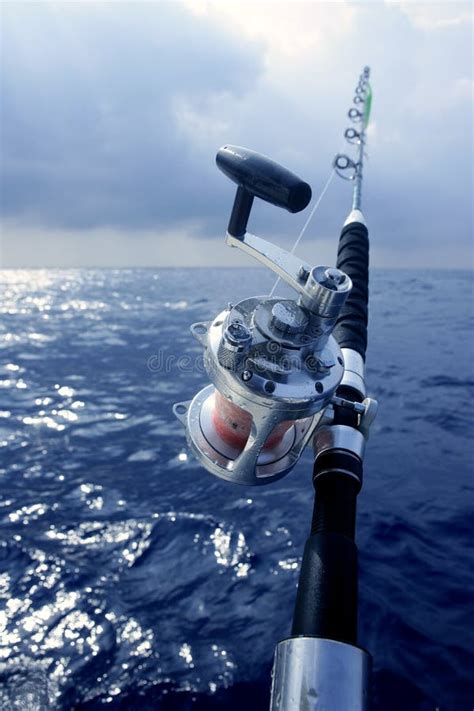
(130, 578)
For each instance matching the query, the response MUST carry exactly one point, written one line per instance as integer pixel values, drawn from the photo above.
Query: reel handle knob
(322, 290)
(259, 176)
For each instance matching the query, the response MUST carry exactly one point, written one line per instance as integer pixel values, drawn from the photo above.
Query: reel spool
(273, 363)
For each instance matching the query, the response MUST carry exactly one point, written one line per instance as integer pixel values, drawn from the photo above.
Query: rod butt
(317, 674)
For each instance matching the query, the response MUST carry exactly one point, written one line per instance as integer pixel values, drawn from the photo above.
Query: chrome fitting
(325, 292)
(320, 675)
(354, 369)
(339, 437)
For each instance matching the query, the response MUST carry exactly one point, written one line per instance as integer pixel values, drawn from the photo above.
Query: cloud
(91, 111)
(429, 16)
(112, 114)
(286, 30)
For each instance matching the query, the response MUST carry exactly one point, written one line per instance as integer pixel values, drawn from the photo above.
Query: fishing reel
(273, 363)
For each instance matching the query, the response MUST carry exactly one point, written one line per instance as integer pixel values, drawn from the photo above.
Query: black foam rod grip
(326, 601)
(353, 259)
(262, 177)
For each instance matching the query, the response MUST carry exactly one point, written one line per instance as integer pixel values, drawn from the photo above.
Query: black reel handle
(259, 176)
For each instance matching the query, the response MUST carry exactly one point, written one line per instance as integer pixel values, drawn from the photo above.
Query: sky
(111, 114)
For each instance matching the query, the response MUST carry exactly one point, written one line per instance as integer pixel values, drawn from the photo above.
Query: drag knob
(234, 345)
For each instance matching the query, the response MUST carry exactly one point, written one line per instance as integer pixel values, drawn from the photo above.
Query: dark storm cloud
(112, 112)
(90, 135)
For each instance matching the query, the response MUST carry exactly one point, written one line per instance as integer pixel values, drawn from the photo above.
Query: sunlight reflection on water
(127, 571)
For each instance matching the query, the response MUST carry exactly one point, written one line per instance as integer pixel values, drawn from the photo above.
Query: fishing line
(305, 226)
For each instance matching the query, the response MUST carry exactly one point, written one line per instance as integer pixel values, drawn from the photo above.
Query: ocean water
(132, 579)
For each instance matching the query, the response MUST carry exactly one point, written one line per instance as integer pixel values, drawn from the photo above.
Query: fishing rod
(285, 372)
